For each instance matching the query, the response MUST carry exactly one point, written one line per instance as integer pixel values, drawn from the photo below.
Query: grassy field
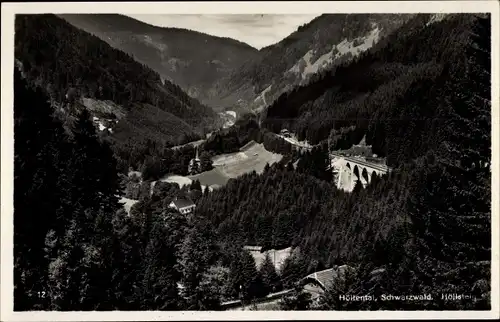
(181, 181)
(212, 177)
(252, 157)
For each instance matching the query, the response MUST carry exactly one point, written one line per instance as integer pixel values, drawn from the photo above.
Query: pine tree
(206, 191)
(196, 257)
(77, 199)
(101, 262)
(245, 277)
(294, 268)
(357, 187)
(195, 185)
(160, 291)
(206, 161)
(469, 110)
(316, 163)
(127, 261)
(94, 173)
(216, 280)
(271, 280)
(65, 271)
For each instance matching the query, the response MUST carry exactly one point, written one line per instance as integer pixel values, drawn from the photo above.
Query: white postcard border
(303, 7)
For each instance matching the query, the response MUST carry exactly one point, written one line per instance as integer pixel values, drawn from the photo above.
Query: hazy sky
(256, 30)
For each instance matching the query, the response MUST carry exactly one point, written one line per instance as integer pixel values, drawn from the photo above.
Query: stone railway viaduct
(350, 169)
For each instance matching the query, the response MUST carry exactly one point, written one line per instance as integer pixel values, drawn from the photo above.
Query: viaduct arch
(350, 169)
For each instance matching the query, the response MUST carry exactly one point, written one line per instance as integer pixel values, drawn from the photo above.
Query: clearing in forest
(252, 157)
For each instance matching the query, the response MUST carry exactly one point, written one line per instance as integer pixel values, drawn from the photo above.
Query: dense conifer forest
(392, 94)
(243, 131)
(422, 99)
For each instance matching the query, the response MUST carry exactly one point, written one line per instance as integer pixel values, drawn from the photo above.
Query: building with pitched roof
(183, 205)
(318, 282)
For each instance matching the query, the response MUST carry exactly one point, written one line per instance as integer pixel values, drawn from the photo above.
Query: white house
(183, 205)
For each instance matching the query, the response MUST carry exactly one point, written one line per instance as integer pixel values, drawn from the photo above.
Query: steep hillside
(377, 93)
(193, 60)
(423, 99)
(129, 102)
(328, 40)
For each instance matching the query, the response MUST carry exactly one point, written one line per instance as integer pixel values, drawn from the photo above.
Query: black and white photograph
(236, 161)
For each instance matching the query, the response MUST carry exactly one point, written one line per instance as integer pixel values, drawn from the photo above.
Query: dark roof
(327, 276)
(182, 203)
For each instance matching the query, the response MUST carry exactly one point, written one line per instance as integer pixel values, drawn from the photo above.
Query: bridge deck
(380, 167)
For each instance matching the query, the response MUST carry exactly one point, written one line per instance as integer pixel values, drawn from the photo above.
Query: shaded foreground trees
(41, 153)
(64, 192)
(74, 247)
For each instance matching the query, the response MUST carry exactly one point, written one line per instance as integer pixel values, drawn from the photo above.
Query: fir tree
(206, 161)
(195, 185)
(245, 277)
(196, 257)
(160, 291)
(271, 280)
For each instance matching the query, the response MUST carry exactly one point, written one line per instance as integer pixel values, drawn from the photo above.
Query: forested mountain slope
(392, 94)
(129, 101)
(190, 59)
(426, 225)
(326, 41)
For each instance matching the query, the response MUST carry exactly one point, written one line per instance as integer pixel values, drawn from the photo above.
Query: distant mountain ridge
(230, 75)
(191, 59)
(326, 41)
